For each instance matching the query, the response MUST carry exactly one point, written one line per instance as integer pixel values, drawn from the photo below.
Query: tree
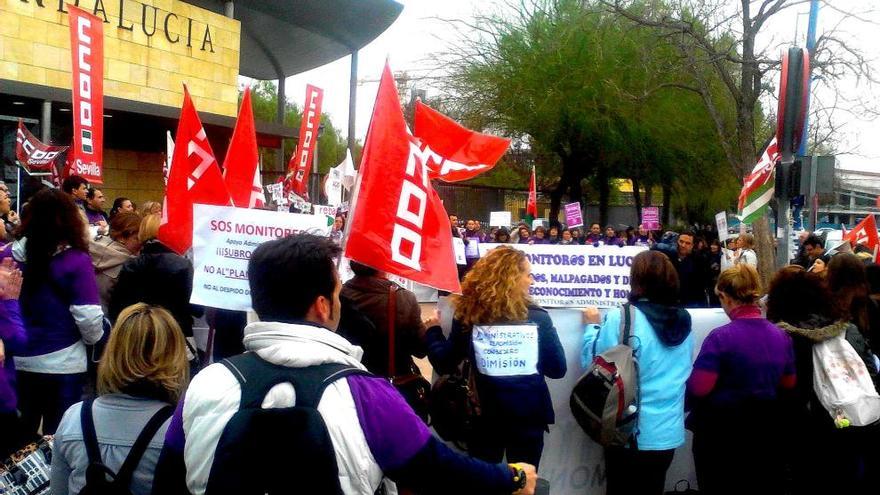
(571, 80)
(721, 37)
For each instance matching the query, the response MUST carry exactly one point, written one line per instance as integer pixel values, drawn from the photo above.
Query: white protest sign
(506, 350)
(224, 237)
(472, 247)
(571, 276)
(500, 219)
(458, 249)
(721, 222)
(539, 222)
(329, 211)
(277, 192)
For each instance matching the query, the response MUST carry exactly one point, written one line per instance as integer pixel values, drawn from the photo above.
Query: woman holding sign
(512, 345)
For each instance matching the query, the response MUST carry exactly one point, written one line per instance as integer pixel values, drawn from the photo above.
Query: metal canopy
(286, 37)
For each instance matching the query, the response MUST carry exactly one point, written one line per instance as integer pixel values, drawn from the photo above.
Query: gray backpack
(605, 400)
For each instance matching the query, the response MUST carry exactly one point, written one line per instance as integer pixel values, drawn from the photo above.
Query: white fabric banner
(333, 186)
(577, 276)
(224, 237)
(506, 350)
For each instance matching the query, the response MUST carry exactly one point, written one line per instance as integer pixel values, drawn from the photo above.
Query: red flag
(864, 233)
(532, 206)
(454, 152)
(194, 178)
(241, 165)
(35, 156)
(87, 50)
(398, 222)
(301, 162)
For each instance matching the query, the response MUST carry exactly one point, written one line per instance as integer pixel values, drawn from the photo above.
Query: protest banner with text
(224, 238)
(578, 276)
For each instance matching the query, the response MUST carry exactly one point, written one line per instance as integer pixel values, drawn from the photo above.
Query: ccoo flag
(398, 223)
(241, 165)
(454, 152)
(194, 178)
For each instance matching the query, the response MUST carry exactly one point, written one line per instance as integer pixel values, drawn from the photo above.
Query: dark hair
(690, 233)
(653, 277)
(872, 273)
(502, 232)
(124, 225)
(848, 282)
(363, 270)
(813, 240)
(287, 276)
(72, 183)
(796, 296)
(90, 194)
(51, 221)
(117, 204)
(595, 223)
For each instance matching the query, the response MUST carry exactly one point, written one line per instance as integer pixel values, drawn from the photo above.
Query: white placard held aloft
(500, 219)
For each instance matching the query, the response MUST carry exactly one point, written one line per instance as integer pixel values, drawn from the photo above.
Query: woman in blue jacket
(513, 345)
(663, 346)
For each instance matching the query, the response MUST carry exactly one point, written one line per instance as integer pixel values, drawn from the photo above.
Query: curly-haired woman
(495, 312)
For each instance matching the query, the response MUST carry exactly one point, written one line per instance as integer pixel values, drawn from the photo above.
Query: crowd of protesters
(97, 349)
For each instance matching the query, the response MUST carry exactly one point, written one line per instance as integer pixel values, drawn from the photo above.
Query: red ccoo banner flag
(455, 152)
(301, 162)
(87, 50)
(35, 156)
(194, 178)
(398, 223)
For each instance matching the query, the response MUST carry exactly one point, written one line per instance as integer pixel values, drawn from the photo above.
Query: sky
(418, 32)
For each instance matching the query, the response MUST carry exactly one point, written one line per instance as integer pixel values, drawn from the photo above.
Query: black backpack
(280, 450)
(100, 480)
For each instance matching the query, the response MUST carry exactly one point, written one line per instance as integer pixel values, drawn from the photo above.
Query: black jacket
(522, 398)
(157, 276)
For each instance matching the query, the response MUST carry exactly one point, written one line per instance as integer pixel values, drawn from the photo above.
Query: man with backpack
(299, 413)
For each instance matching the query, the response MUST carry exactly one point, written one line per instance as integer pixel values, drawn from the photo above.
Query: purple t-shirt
(750, 357)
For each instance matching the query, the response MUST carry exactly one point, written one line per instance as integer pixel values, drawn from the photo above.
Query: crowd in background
(96, 335)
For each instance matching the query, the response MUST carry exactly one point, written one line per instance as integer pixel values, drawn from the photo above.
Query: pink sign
(573, 216)
(651, 218)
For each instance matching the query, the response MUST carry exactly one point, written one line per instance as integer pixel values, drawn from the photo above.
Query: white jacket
(214, 394)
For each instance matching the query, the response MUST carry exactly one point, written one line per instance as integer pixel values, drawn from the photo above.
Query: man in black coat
(694, 275)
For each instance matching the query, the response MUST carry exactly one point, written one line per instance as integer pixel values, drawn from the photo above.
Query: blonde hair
(146, 353)
(741, 283)
(150, 208)
(491, 291)
(149, 227)
(748, 240)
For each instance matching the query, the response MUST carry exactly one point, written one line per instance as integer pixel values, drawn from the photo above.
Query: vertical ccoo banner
(87, 53)
(301, 162)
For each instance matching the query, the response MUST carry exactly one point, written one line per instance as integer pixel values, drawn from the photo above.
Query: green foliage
(572, 79)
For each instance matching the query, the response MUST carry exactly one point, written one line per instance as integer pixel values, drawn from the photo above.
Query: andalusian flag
(758, 187)
(532, 205)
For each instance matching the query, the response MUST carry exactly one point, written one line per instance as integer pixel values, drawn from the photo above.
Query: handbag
(27, 471)
(414, 388)
(455, 403)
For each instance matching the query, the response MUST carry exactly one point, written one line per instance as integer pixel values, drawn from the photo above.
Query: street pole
(802, 149)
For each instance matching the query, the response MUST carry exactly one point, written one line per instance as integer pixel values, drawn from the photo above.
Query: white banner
(506, 350)
(578, 276)
(500, 219)
(721, 223)
(224, 237)
(458, 249)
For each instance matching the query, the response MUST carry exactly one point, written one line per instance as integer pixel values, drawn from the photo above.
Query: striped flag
(759, 186)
